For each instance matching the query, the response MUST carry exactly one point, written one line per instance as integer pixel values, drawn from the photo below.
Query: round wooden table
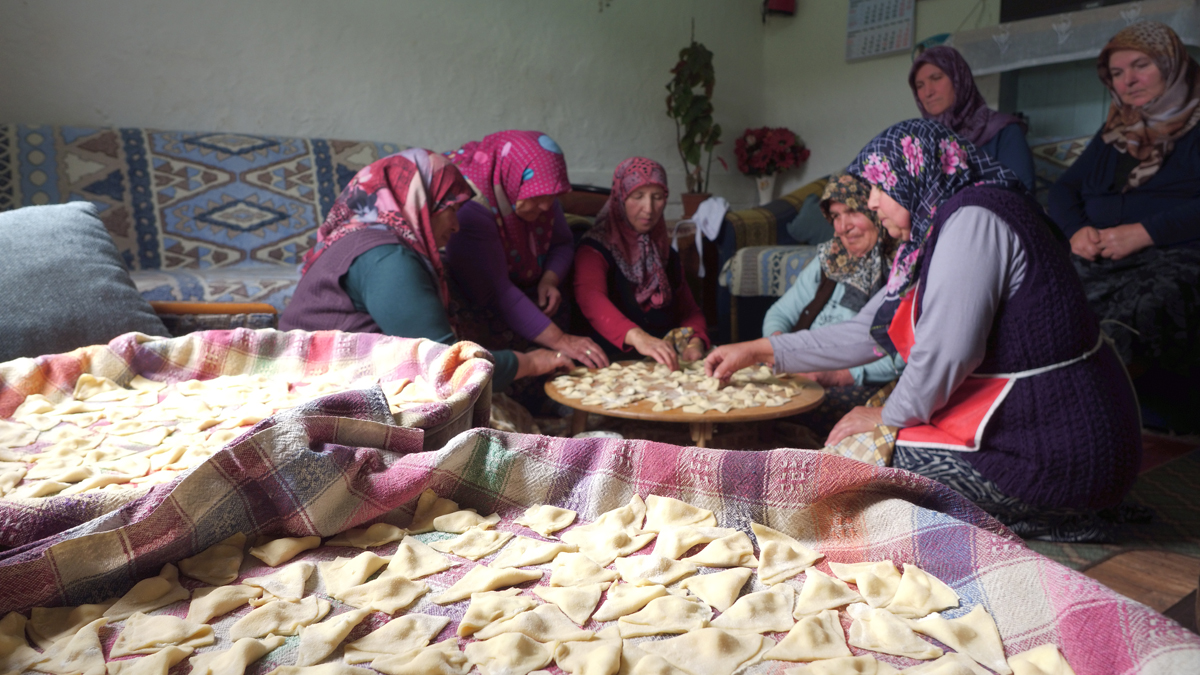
(810, 396)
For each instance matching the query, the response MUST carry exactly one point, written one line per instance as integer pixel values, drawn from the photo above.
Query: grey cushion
(62, 283)
(809, 227)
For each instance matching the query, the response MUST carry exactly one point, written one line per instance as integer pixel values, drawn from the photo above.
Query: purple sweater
(476, 260)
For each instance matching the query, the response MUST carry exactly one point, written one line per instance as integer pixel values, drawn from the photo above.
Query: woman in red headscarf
(628, 282)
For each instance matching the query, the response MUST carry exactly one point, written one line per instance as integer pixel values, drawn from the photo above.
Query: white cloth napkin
(708, 220)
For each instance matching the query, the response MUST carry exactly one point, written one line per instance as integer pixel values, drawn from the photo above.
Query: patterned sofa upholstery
(197, 216)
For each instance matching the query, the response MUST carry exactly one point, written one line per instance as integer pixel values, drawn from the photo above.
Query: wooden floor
(1155, 578)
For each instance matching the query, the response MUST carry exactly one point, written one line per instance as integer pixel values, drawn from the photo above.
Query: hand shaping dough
(606, 544)
(286, 584)
(853, 665)
(821, 592)
(280, 617)
(80, 654)
(461, 521)
(492, 606)
(213, 601)
(375, 535)
(157, 663)
(814, 637)
(15, 654)
(719, 590)
(483, 578)
(544, 623)
(414, 559)
(595, 657)
(545, 519)
(920, 593)
(509, 654)
(145, 634)
(768, 611)
(673, 542)
(780, 556)
(148, 595)
(444, 658)
(318, 640)
(880, 631)
(974, 634)
(734, 550)
(1044, 660)
(429, 506)
(409, 632)
(668, 614)
(48, 625)
(279, 551)
(342, 574)
(576, 569)
(664, 512)
(577, 602)
(387, 594)
(474, 543)
(218, 564)
(710, 651)
(626, 599)
(233, 661)
(525, 551)
(877, 581)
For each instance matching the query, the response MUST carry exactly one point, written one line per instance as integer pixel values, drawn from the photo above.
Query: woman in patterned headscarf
(628, 282)
(849, 269)
(514, 246)
(945, 91)
(1009, 395)
(376, 266)
(1131, 207)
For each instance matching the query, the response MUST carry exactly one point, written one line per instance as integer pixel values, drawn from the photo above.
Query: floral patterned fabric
(920, 164)
(865, 273)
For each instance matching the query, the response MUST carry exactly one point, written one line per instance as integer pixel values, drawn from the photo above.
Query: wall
(418, 72)
(838, 106)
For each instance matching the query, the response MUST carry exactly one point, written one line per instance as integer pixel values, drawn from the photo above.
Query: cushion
(63, 283)
(810, 226)
(765, 270)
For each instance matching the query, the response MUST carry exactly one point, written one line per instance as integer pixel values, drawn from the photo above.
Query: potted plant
(689, 103)
(764, 152)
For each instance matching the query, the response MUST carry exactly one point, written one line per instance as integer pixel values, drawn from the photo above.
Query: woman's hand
(540, 362)
(726, 360)
(648, 345)
(581, 349)
(694, 351)
(549, 297)
(1086, 243)
(1124, 240)
(831, 378)
(856, 421)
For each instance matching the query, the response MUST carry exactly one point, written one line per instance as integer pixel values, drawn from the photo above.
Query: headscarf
(504, 168)
(868, 272)
(641, 257)
(1149, 132)
(401, 193)
(921, 164)
(969, 116)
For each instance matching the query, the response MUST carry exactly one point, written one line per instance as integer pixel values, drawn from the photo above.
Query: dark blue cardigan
(1168, 204)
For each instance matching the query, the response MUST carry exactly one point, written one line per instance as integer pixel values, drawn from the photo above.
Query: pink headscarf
(400, 192)
(642, 258)
(504, 168)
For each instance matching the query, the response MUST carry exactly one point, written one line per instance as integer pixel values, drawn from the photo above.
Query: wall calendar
(879, 27)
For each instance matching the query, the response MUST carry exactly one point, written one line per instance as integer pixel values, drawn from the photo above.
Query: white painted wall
(423, 72)
(838, 106)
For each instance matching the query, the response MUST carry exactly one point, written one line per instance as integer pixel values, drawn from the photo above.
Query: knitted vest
(655, 321)
(320, 302)
(1068, 437)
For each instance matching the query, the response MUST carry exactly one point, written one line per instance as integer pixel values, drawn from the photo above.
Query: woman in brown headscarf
(1131, 207)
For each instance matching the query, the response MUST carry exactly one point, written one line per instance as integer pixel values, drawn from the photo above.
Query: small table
(810, 396)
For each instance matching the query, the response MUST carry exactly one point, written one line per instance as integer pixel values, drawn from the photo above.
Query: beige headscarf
(1149, 132)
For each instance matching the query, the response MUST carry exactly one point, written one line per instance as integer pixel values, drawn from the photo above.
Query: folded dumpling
(544, 623)
(385, 594)
(625, 599)
(974, 634)
(233, 661)
(509, 654)
(491, 606)
(144, 634)
(1044, 660)
(212, 601)
(278, 551)
(668, 614)
(545, 519)
(877, 581)
(461, 521)
(652, 570)
(881, 631)
(768, 611)
(629, 516)
(80, 654)
(474, 544)
(673, 542)
(157, 663)
(341, 574)
(948, 664)
(15, 653)
(780, 556)
(525, 551)
(594, 657)
(429, 506)
(409, 632)
(606, 544)
(414, 559)
(370, 537)
(719, 590)
(664, 512)
(821, 592)
(710, 651)
(577, 602)
(148, 595)
(846, 665)
(814, 637)
(318, 640)
(280, 617)
(286, 584)
(483, 578)
(734, 550)
(48, 625)
(576, 569)
(443, 658)
(920, 593)
(218, 564)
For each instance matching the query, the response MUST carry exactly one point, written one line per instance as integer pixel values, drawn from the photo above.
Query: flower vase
(766, 188)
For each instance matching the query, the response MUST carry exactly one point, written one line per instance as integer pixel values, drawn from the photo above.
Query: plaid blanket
(459, 374)
(314, 474)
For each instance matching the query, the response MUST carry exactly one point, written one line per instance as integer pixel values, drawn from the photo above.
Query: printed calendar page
(879, 27)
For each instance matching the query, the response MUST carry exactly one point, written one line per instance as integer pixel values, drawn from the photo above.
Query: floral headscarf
(1149, 132)
(921, 164)
(504, 168)
(400, 192)
(642, 258)
(868, 272)
(969, 117)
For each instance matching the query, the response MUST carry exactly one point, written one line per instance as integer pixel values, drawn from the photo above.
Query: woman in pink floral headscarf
(514, 246)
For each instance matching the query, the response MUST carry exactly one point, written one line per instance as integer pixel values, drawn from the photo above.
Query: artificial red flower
(766, 151)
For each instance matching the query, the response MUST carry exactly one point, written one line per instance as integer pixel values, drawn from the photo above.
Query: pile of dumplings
(678, 609)
(109, 437)
(620, 386)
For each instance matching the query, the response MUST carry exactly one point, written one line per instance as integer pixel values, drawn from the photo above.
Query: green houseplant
(689, 103)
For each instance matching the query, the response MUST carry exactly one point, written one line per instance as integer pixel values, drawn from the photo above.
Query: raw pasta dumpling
(276, 552)
(821, 592)
(818, 636)
(404, 634)
(545, 519)
(710, 651)
(719, 590)
(233, 661)
(318, 640)
(768, 611)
